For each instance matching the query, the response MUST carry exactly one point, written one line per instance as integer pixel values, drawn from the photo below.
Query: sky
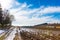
(33, 12)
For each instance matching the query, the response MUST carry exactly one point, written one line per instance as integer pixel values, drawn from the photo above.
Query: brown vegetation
(38, 36)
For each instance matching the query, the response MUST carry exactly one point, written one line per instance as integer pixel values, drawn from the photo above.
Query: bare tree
(0, 14)
(5, 18)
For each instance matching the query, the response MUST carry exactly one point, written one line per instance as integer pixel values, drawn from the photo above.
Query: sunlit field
(37, 34)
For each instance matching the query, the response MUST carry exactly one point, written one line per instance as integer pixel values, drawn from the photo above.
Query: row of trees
(5, 18)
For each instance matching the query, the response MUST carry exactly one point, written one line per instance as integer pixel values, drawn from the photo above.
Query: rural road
(12, 35)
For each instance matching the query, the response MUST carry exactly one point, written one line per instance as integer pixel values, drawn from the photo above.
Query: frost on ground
(11, 35)
(1, 31)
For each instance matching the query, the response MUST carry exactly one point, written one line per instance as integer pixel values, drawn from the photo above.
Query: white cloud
(17, 3)
(50, 9)
(33, 21)
(24, 9)
(6, 3)
(37, 11)
(24, 20)
(52, 20)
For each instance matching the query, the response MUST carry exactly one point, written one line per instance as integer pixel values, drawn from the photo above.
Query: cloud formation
(6, 3)
(27, 16)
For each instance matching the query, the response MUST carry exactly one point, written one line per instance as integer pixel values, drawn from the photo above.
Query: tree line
(5, 18)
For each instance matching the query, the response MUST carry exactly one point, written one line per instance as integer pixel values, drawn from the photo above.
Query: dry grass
(38, 36)
(2, 37)
(16, 37)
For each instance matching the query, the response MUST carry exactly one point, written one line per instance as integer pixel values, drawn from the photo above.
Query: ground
(31, 34)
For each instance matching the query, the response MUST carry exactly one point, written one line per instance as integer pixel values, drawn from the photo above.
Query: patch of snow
(1, 31)
(11, 35)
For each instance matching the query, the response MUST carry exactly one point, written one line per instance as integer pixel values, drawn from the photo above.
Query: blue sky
(32, 12)
(38, 3)
(45, 3)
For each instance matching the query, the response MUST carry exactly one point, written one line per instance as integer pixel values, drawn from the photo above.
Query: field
(31, 34)
(39, 34)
